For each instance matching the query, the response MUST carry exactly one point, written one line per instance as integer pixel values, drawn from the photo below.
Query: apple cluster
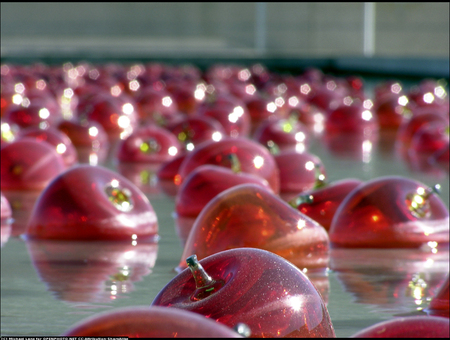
(84, 146)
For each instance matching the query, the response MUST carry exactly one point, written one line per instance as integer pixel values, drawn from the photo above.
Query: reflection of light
(396, 88)
(127, 108)
(300, 147)
(375, 218)
(114, 183)
(19, 88)
(301, 224)
(238, 111)
(244, 75)
(123, 121)
(134, 85)
(40, 84)
(420, 190)
(44, 113)
(271, 107)
(134, 236)
(348, 101)
(94, 74)
(25, 102)
(293, 101)
(17, 99)
(93, 159)
(199, 94)
(428, 98)
(216, 136)
(258, 161)
(300, 136)
(190, 146)
(309, 165)
(279, 102)
(296, 303)
(368, 104)
(172, 151)
(305, 89)
(250, 89)
(366, 115)
(93, 131)
(367, 146)
(403, 100)
(61, 148)
(116, 91)
(440, 92)
(68, 93)
(331, 85)
(167, 101)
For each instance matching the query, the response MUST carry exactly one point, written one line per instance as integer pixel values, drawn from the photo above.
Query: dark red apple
(156, 106)
(390, 212)
(251, 286)
(408, 327)
(150, 322)
(92, 203)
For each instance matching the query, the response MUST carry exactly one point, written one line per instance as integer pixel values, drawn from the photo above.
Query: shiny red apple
(92, 203)
(321, 203)
(156, 106)
(150, 322)
(390, 212)
(149, 144)
(249, 215)
(253, 157)
(29, 165)
(408, 327)
(205, 182)
(251, 286)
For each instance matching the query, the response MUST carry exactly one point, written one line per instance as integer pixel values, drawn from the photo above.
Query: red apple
(439, 304)
(92, 203)
(251, 286)
(153, 322)
(390, 212)
(156, 107)
(253, 157)
(29, 165)
(408, 327)
(321, 203)
(249, 215)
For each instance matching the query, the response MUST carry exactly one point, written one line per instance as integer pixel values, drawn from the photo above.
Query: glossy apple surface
(408, 327)
(150, 322)
(29, 165)
(60, 141)
(205, 182)
(249, 215)
(149, 144)
(91, 272)
(253, 157)
(299, 171)
(156, 106)
(251, 286)
(321, 204)
(390, 212)
(439, 304)
(92, 203)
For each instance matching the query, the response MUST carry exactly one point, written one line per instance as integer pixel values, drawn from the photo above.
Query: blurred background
(399, 37)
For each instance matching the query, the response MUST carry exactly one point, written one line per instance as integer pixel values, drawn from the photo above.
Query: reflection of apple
(91, 272)
(141, 175)
(408, 327)
(92, 203)
(249, 215)
(153, 322)
(390, 212)
(439, 304)
(394, 280)
(253, 157)
(6, 219)
(22, 204)
(251, 286)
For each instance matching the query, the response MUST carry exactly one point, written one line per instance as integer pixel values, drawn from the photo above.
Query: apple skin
(86, 203)
(439, 304)
(153, 322)
(253, 157)
(408, 327)
(249, 215)
(260, 289)
(204, 183)
(326, 200)
(377, 215)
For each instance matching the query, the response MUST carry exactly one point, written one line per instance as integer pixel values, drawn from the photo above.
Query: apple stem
(320, 177)
(202, 279)
(235, 164)
(296, 201)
